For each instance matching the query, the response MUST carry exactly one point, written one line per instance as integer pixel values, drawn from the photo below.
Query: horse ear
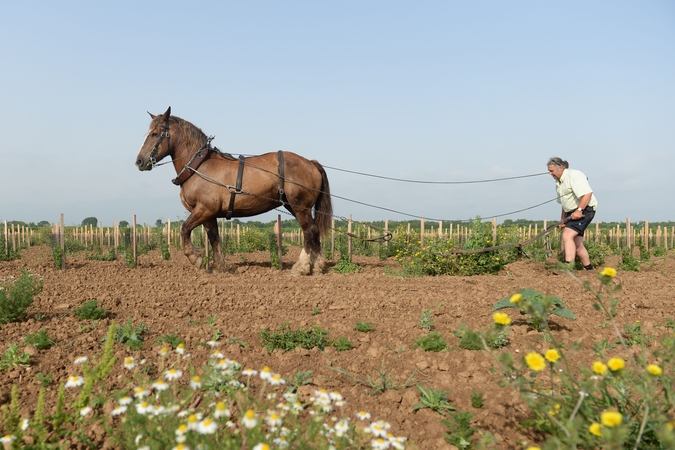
(152, 115)
(167, 113)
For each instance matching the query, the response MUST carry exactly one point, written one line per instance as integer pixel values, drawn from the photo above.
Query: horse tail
(323, 207)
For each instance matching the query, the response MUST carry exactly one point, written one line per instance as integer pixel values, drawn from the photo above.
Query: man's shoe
(589, 267)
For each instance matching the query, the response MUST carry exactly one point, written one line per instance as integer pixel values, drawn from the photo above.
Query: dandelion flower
(379, 444)
(362, 415)
(552, 355)
(599, 368)
(74, 381)
(265, 373)
(118, 411)
(221, 410)
(516, 298)
(140, 392)
(142, 408)
(160, 385)
(276, 380)
(595, 429)
(616, 364)
(7, 439)
(501, 318)
(533, 448)
(207, 426)
(249, 420)
(342, 427)
(173, 374)
(181, 447)
(272, 419)
(81, 360)
(611, 418)
(535, 361)
(196, 382)
(654, 370)
(608, 272)
(129, 362)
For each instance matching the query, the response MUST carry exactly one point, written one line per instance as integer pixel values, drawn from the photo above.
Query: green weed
(16, 296)
(363, 327)
(39, 340)
(433, 342)
(13, 356)
(89, 310)
(436, 400)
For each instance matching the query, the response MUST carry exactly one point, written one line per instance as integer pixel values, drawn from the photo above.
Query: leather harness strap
(282, 193)
(192, 165)
(237, 189)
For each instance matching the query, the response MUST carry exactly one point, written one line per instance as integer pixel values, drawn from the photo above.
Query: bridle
(164, 134)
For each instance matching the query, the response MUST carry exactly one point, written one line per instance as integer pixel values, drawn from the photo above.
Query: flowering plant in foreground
(537, 306)
(618, 401)
(219, 405)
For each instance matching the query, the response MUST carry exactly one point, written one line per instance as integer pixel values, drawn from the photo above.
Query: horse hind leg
(311, 261)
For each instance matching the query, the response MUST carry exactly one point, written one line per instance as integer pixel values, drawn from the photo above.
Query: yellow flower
(552, 355)
(516, 298)
(501, 318)
(670, 426)
(595, 429)
(611, 418)
(609, 272)
(533, 448)
(535, 361)
(654, 370)
(616, 364)
(599, 368)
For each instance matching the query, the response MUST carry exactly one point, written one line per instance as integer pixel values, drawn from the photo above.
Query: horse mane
(190, 135)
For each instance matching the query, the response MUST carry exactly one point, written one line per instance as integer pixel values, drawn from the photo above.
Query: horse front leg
(219, 264)
(194, 255)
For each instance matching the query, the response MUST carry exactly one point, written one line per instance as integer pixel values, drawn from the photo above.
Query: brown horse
(214, 184)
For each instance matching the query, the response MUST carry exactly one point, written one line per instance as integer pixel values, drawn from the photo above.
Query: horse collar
(191, 167)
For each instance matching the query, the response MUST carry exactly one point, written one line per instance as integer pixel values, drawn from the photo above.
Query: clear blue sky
(434, 90)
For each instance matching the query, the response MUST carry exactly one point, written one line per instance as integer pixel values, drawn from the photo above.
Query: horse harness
(205, 152)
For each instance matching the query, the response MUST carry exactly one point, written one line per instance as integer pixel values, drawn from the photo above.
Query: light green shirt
(573, 185)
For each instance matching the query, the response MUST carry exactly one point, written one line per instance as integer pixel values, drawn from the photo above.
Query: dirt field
(171, 297)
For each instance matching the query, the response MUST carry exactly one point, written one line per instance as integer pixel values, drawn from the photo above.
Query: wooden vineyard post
(279, 249)
(116, 237)
(6, 242)
(133, 239)
(494, 231)
(62, 238)
(168, 233)
(628, 235)
(407, 236)
(597, 230)
(422, 232)
(646, 232)
(386, 230)
(206, 246)
(349, 238)
(440, 229)
(332, 239)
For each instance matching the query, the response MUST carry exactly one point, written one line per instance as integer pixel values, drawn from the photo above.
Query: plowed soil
(172, 297)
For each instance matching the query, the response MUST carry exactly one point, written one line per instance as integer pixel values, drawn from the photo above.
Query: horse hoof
(198, 262)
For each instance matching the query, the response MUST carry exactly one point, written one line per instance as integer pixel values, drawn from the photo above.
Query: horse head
(157, 144)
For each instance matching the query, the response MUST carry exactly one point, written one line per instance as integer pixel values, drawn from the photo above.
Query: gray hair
(555, 161)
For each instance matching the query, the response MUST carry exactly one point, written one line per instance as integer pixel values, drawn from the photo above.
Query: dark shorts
(580, 225)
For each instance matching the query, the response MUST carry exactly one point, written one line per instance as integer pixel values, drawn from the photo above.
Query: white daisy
(74, 381)
(160, 385)
(129, 362)
(249, 420)
(207, 426)
(81, 359)
(173, 374)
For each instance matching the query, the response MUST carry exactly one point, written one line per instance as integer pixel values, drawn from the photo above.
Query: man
(579, 204)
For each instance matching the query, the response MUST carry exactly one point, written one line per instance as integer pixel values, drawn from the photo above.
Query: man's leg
(582, 253)
(569, 237)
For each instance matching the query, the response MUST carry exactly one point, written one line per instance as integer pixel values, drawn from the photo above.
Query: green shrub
(17, 295)
(39, 340)
(433, 342)
(90, 311)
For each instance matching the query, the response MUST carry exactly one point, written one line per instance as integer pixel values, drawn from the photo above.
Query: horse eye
(154, 135)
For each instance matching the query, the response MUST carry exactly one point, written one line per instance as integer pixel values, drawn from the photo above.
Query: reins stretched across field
(214, 184)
